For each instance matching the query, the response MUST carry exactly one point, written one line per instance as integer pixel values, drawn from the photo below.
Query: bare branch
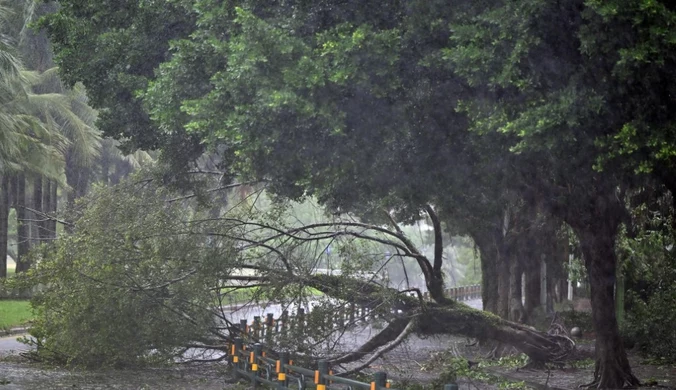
(385, 336)
(221, 188)
(438, 242)
(46, 216)
(410, 326)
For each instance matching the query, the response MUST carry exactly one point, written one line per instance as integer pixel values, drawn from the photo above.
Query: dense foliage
(147, 273)
(649, 265)
(493, 113)
(111, 293)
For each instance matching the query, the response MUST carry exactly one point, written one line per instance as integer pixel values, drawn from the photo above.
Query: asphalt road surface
(9, 344)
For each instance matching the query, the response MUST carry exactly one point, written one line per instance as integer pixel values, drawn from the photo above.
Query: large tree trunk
(434, 318)
(22, 226)
(36, 224)
(4, 223)
(612, 367)
(489, 271)
(597, 230)
(46, 197)
(516, 310)
(532, 288)
(72, 179)
(503, 284)
(78, 181)
(52, 205)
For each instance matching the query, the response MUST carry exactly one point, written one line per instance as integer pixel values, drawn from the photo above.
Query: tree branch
(46, 216)
(410, 326)
(385, 336)
(438, 241)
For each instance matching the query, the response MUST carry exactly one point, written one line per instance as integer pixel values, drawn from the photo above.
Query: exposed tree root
(612, 376)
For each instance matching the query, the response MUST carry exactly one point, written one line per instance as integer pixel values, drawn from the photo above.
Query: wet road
(9, 344)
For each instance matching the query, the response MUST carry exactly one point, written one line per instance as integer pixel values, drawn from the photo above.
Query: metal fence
(253, 361)
(266, 369)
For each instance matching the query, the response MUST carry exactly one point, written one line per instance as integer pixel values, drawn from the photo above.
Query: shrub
(128, 286)
(650, 323)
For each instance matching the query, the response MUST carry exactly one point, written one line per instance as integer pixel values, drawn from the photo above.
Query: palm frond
(84, 138)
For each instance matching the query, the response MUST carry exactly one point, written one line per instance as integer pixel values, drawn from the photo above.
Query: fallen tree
(145, 268)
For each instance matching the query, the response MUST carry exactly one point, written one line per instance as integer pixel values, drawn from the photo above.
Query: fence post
(380, 380)
(243, 326)
(236, 348)
(323, 368)
(285, 321)
(256, 327)
(281, 369)
(257, 349)
(269, 322)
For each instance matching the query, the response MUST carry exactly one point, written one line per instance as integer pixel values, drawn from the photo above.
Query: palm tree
(67, 121)
(47, 137)
(15, 136)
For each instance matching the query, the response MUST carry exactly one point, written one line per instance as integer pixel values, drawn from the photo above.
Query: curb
(14, 331)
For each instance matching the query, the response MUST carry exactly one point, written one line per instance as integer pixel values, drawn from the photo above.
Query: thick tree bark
(596, 226)
(532, 288)
(503, 284)
(489, 276)
(435, 282)
(53, 193)
(489, 243)
(46, 197)
(36, 224)
(4, 223)
(434, 318)
(22, 229)
(516, 310)
(456, 318)
(77, 178)
(612, 366)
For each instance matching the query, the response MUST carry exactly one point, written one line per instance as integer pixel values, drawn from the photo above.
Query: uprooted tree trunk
(434, 318)
(442, 315)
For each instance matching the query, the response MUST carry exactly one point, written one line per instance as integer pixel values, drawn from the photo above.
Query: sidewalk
(14, 331)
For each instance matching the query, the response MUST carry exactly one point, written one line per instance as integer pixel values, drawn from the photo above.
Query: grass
(14, 313)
